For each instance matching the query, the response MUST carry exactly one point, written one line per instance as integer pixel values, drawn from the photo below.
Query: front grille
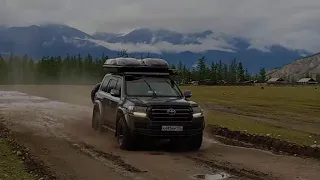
(159, 113)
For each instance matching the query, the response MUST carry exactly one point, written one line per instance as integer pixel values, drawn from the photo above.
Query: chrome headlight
(197, 112)
(138, 111)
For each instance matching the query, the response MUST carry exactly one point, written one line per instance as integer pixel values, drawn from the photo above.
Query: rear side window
(105, 83)
(112, 85)
(119, 84)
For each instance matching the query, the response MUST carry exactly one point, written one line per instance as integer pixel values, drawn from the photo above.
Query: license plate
(172, 128)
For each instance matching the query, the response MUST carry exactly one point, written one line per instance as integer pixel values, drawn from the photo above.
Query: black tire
(96, 120)
(195, 142)
(93, 120)
(125, 139)
(94, 91)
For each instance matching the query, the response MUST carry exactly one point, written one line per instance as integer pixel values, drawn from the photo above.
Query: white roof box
(122, 62)
(154, 62)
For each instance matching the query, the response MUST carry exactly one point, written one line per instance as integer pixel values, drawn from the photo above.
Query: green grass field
(11, 167)
(288, 113)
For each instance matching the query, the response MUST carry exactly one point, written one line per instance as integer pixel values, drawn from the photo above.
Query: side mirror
(115, 93)
(187, 94)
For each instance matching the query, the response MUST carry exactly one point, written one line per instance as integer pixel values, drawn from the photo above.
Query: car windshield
(152, 87)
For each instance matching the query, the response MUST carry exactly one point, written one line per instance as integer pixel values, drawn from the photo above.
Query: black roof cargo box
(136, 66)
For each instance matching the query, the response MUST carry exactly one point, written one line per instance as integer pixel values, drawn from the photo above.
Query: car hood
(150, 101)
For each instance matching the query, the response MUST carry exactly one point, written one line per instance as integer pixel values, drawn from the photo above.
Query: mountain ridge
(55, 39)
(307, 66)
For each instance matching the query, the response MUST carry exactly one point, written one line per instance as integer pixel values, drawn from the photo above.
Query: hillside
(299, 68)
(60, 40)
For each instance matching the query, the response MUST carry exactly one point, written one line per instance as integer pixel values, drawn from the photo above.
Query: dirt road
(61, 135)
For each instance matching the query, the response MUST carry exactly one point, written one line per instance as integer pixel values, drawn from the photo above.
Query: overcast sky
(293, 23)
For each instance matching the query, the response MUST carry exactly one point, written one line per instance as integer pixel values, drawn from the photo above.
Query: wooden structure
(276, 81)
(307, 81)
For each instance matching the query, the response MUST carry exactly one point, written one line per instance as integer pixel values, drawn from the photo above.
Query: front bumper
(146, 127)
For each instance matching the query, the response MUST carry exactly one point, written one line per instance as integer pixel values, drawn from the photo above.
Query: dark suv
(141, 98)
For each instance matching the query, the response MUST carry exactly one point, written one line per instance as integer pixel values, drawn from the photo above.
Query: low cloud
(158, 48)
(292, 23)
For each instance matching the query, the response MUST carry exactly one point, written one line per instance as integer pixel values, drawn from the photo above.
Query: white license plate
(172, 128)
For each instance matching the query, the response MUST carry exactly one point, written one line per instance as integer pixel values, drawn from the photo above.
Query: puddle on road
(15, 99)
(216, 176)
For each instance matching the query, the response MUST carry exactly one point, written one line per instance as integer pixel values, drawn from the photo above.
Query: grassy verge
(11, 167)
(244, 123)
(278, 101)
(287, 113)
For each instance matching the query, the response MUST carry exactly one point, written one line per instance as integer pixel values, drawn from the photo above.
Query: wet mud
(61, 135)
(263, 142)
(234, 172)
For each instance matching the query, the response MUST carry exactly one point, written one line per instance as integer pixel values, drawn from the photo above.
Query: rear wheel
(93, 120)
(124, 136)
(96, 120)
(94, 91)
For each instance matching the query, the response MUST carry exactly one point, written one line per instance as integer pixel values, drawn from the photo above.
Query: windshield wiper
(153, 93)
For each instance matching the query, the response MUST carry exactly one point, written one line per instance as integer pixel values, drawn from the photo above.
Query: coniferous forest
(88, 70)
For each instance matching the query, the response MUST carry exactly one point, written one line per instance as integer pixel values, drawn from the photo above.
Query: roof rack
(138, 66)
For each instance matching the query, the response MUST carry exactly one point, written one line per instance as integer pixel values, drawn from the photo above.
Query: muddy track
(240, 172)
(62, 137)
(98, 154)
(265, 142)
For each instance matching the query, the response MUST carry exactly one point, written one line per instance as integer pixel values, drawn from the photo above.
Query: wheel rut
(97, 156)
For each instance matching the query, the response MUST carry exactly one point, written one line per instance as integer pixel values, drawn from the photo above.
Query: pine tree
(202, 68)
(246, 75)
(3, 71)
(123, 53)
(214, 73)
(225, 73)
(240, 73)
(262, 75)
(232, 73)
(219, 71)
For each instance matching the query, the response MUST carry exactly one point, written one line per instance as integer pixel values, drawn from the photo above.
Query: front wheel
(124, 136)
(195, 142)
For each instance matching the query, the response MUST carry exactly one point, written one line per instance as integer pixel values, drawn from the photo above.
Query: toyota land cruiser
(139, 97)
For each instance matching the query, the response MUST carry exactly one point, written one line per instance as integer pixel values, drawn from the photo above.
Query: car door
(107, 102)
(103, 96)
(114, 102)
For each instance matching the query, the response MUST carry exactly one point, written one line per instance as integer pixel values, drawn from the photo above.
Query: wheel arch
(120, 113)
(98, 104)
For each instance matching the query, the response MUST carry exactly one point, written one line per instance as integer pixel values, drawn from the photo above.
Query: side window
(105, 83)
(111, 85)
(119, 84)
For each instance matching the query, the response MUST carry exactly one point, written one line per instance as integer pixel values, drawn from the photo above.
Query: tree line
(218, 73)
(51, 70)
(88, 70)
